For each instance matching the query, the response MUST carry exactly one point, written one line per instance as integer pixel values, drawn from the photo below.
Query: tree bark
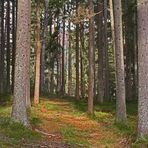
(77, 56)
(19, 110)
(14, 42)
(99, 20)
(91, 60)
(120, 72)
(143, 67)
(38, 56)
(2, 53)
(8, 47)
(69, 64)
(45, 30)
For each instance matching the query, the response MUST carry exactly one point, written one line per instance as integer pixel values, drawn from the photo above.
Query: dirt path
(64, 126)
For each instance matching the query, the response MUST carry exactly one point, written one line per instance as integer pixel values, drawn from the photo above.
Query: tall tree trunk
(99, 20)
(2, 51)
(28, 101)
(14, 41)
(45, 30)
(105, 53)
(69, 64)
(77, 56)
(91, 59)
(19, 110)
(63, 57)
(8, 47)
(120, 72)
(81, 60)
(143, 67)
(38, 56)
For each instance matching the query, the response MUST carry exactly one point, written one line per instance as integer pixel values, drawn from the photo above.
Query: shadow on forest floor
(63, 123)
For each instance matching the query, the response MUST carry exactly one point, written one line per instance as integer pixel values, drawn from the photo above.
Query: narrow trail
(65, 126)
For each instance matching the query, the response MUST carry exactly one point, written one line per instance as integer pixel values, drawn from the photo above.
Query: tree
(143, 67)
(45, 30)
(38, 56)
(91, 59)
(2, 53)
(120, 75)
(77, 55)
(19, 110)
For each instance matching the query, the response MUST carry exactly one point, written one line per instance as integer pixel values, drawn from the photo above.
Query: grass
(69, 118)
(74, 136)
(11, 133)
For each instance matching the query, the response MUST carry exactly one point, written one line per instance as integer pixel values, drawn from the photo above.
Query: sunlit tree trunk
(38, 56)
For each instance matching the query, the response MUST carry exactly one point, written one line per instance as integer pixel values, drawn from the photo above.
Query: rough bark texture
(143, 67)
(28, 101)
(19, 112)
(91, 60)
(38, 56)
(120, 75)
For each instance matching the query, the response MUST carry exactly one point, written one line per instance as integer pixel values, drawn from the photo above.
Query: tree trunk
(105, 53)
(91, 59)
(2, 51)
(69, 64)
(77, 55)
(28, 101)
(143, 67)
(99, 20)
(19, 111)
(63, 57)
(120, 75)
(14, 42)
(38, 56)
(45, 30)
(8, 47)
(81, 60)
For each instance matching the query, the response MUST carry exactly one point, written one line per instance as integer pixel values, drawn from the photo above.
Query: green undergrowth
(12, 133)
(16, 132)
(75, 136)
(105, 113)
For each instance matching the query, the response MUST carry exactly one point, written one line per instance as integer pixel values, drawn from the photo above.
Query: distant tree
(38, 54)
(91, 59)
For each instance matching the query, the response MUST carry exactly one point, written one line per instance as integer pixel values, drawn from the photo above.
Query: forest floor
(64, 123)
